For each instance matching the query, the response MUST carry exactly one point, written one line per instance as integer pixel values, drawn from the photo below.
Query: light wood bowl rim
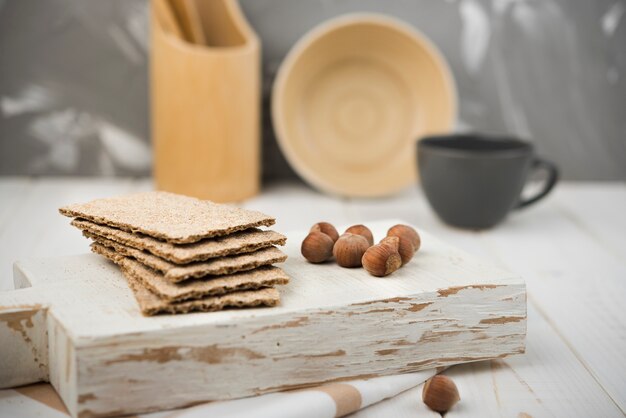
(301, 46)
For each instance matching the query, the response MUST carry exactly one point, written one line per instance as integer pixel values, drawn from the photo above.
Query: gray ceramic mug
(474, 181)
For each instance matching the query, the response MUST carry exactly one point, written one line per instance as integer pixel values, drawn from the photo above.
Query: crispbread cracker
(167, 216)
(193, 289)
(151, 304)
(236, 243)
(214, 267)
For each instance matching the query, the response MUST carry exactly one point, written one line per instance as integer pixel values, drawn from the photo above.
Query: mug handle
(553, 177)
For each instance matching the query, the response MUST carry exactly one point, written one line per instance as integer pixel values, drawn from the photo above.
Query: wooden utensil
(162, 10)
(205, 105)
(190, 22)
(222, 22)
(79, 327)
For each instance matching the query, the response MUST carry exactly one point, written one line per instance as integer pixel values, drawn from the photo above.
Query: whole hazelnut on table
(409, 241)
(440, 393)
(317, 247)
(363, 231)
(326, 228)
(349, 250)
(382, 259)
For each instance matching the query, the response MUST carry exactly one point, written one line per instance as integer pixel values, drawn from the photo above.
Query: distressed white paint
(443, 308)
(25, 344)
(571, 272)
(559, 369)
(311, 403)
(547, 381)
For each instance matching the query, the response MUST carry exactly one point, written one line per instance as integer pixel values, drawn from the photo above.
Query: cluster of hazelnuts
(355, 248)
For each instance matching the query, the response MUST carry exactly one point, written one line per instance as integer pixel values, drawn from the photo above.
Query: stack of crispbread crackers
(181, 254)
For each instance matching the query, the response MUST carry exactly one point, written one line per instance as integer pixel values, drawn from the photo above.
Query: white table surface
(570, 248)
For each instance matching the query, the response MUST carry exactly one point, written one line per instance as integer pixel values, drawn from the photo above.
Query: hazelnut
(363, 231)
(393, 242)
(409, 241)
(440, 393)
(382, 259)
(326, 228)
(349, 250)
(317, 247)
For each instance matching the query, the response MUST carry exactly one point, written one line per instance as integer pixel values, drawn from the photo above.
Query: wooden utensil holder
(205, 106)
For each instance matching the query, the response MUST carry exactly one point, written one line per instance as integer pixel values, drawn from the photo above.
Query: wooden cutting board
(79, 327)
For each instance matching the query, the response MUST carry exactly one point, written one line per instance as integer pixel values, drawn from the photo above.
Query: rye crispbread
(237, 243)
(265, 276)
(214, 267)
(167, 216)
(151, 304)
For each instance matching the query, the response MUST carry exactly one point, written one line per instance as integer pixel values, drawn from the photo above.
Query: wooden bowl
(352, 96)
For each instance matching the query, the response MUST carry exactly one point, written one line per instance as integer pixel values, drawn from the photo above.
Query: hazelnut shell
(327, 229)
(317, 247)
(349, 250)
(381, 260)
(363, 231)
(440, 393)
(392, 242)
(409, 241)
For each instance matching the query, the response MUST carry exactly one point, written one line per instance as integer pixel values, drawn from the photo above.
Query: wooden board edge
(259, 356)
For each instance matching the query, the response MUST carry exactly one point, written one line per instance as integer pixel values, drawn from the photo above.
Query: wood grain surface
(562, 373)
(445, 307)
(205, 108)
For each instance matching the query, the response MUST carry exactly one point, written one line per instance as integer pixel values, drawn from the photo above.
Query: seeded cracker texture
(151, 304)
(174, 218)
(237, 243)
(265, 276)
(214, 267)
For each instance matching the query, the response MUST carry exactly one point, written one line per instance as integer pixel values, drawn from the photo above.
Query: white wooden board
(444, 308)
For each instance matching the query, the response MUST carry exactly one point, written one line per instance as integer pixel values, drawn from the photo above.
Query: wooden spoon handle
(164, 14)
(189, 18)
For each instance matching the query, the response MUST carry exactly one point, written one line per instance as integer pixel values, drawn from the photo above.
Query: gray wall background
(74, 93)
